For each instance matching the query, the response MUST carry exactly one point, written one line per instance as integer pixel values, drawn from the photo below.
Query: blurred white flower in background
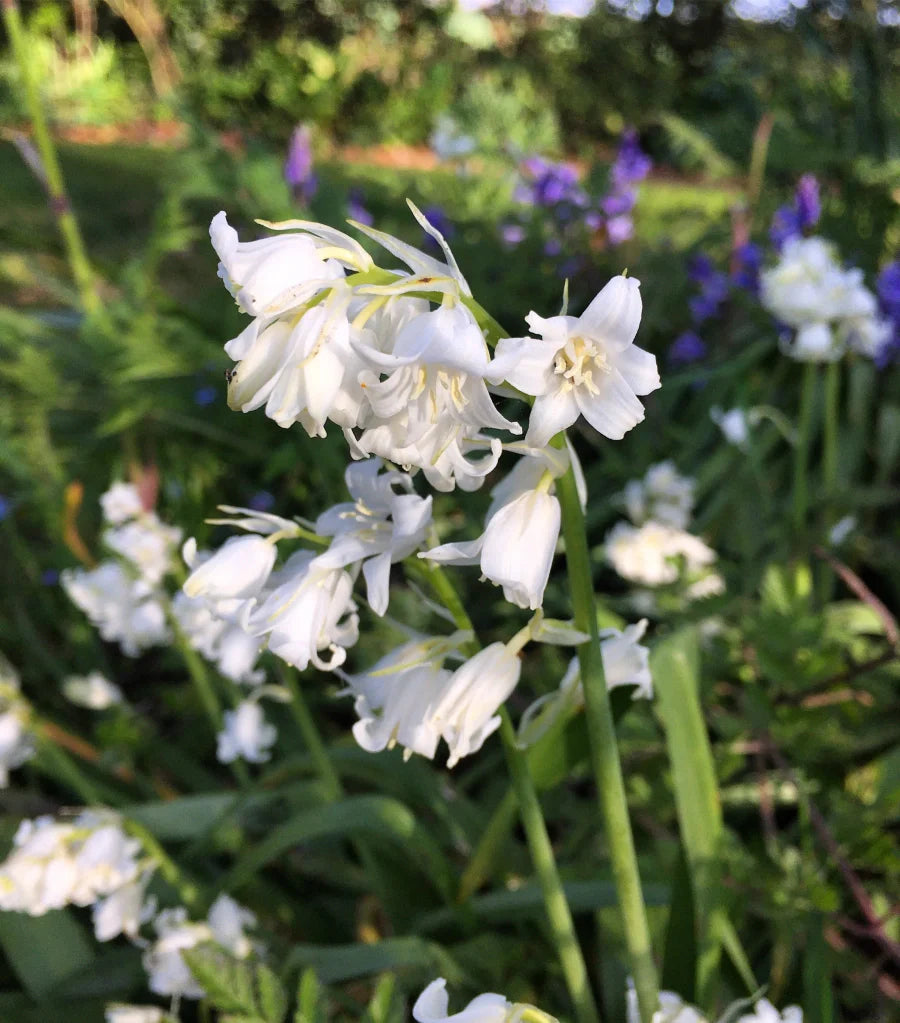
(16, 735)
(93, 691)
(120, 503)
(734, 424)
(246, 735)
(663, 495)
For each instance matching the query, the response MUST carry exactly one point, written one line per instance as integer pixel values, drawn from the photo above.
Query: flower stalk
(604, 751)
(801, 451)
(52, 176)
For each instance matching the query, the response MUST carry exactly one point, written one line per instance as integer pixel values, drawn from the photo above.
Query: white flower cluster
(829, 307)
(121, 597)
(127, 602)
(655, 549)
(88, 861)
(336, 339)
(16, 735)
(673, 1009)
(168, 974)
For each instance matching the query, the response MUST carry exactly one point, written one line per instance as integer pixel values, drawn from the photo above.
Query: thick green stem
(801, 451)
(562, 926)
(53, 177)
(187, 890)
(604, 753)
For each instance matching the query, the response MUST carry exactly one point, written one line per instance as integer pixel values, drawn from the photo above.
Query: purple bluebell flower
(50, 577)
(262, 501)
(569, 268)
(785, 225)
(5, 507)
(512, 234)
(356, 209)
(619, 229)
(888, 288)
(617, 203)
(806, 201)
(549, 184)
(593, 220)
(298, 167)
(631, 163)
(747, 265)
(700, 268)
(687, 348)
(552, 247)
(205, 395)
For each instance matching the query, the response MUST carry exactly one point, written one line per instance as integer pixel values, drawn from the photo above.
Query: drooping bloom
(228, 920)
(119, 1012)
(238, 570)
(765, 1012)
(687, 348)
(148, 544)
(734, 424)
(246, 735)
(433, 1006)
(587, 366)
(516, 549)
(120, 503)
(379, 528)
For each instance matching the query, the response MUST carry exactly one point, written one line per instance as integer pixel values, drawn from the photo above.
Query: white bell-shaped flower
(466, 713)
(167, 972)
(586, 366)
(227, 920)
(379, 528)
(120, 503)
(310, 609)
(238, 570)
(521, 531)
(433, 1006)
(663, 495)
(651, 553)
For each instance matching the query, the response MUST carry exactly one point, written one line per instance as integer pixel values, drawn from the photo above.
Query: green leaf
(44, 950)
(675, 665)
(818, 1002)
(679, 972)
(335, 963)
(182, 818)
(309, 991)
(228, 984)
(273, 1001)
(380, 1003)
(378, 815)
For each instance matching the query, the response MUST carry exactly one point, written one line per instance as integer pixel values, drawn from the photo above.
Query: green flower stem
(53, 177)
(562, 926)
(604, 752)
(317, 749)
(801, 451)
(204, 687)
(830, 430)
(68, 771)
(187, 890)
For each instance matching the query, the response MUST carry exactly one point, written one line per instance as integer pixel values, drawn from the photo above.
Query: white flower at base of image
(516, 549)
(120, 503)
(433, 1006)
(586, 366)
(650, 554)
(246, 735)
(765, 1012)
(93, 691)
(663, 495)
(119, 1012)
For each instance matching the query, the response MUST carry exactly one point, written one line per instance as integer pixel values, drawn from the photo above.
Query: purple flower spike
(747, 264)
(687, 348)
(206, 395)
(700, 268)
(262, 501)
(298, 169)
(806, 201)
(632, 163)
(888, 288)
(617, 203)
